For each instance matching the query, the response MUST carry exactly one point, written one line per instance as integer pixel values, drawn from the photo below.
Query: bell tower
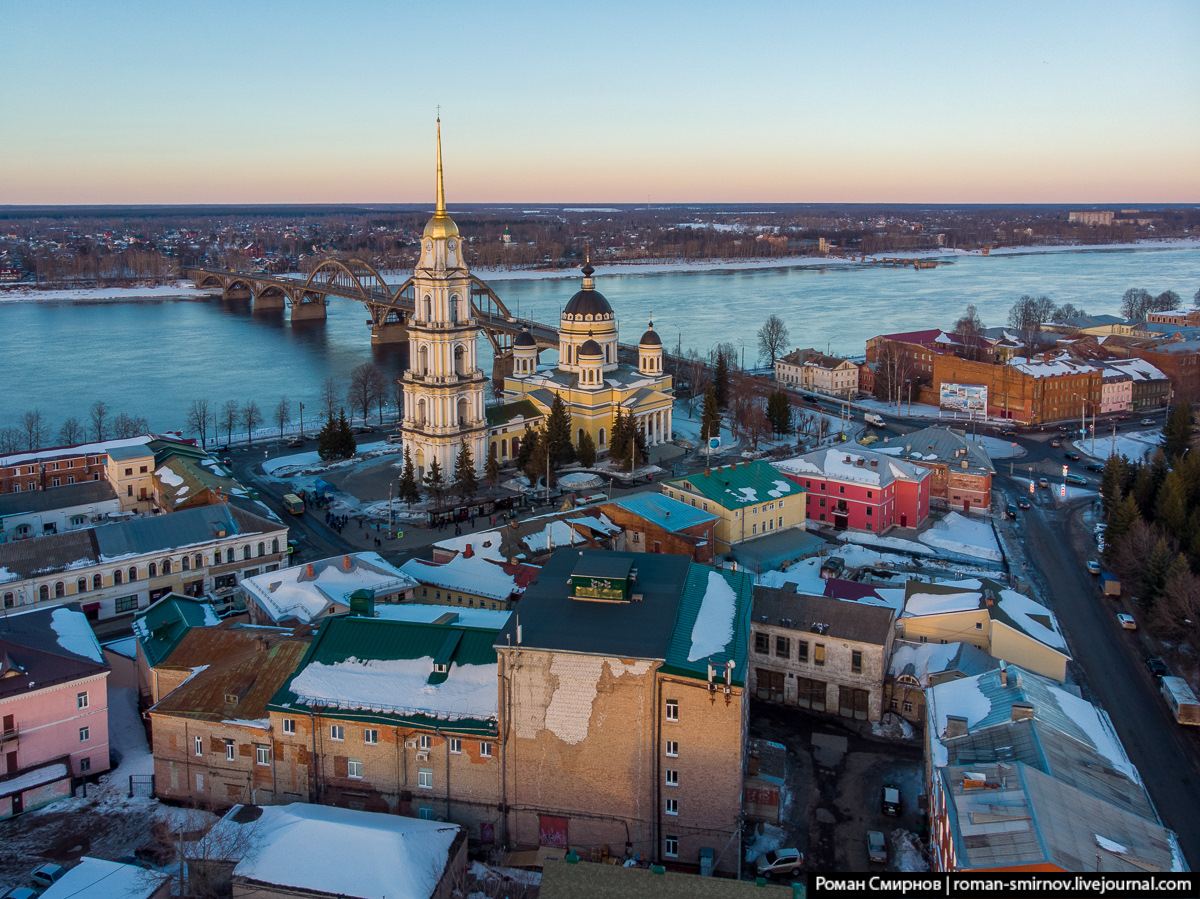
(444, 386)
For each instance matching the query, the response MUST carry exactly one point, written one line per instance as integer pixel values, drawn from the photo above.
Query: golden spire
(441, 190)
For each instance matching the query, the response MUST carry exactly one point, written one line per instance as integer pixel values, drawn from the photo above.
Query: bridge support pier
(389, 332)
(236, 293)
(308, 312)
(268, 304)
(502, 367)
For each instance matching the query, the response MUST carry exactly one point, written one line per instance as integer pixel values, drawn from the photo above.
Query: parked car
(779, 861)
(296, 441)
(1056, 443)
(1044, 483)
(19, 893)
(1077, 479)
(1024, 503)
(1011, 510)
(868, 440)
(46, 875)
(876, 847)
(1094, 466)
(1126, 621)
(1148, 421)
(890, 802)
(1072, 455)
(1093, 566)
(811, 398)
(1157, 667)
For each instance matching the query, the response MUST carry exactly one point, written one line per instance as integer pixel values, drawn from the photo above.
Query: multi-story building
(862, 490)
(1051, 387)
(53, 705)
(473, 578)
(130, 470)
(1149, 387)
(210, 730)
(398, 716)
(750, 500)
(303, 594)
(35, 513)
(1021, 773)
(625, 677)
(962, 470)
(1116, 391)
(40, 469)
(816, 371)
(820, 653)
(119, 568)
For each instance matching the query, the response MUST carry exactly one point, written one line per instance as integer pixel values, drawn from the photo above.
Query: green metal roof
(160, 628)
(503, 414)
(738, 486)
(375, 639)
(690, 602)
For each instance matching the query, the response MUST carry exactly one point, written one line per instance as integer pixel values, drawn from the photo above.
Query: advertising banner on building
(965, 398)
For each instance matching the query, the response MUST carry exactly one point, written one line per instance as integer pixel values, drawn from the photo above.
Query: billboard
(965, 398)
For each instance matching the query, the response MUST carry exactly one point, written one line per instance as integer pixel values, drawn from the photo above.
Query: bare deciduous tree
(283, 414)
(125, 426)
(893, 368)
(379, 386)
(329, 397)
(251, 417)
(10, 440)
(197, 419)
(34, 427)
(968, 328)
(71, 432)
(772, 338)
(229, 418)
(363, 384)
(98, 415)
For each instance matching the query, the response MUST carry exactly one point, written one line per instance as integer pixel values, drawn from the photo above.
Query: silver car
(876, 847)
(779, 861)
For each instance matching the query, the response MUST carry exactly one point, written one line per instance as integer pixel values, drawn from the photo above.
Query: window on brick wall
(354, 768)
(485, 750)
(672, 710)
(426, 741)
(802, 650)
(455, 746)
(671, 777)
(262, 755)
(856, 661)
(289, 725)
(371, 736)
(230, 750)
(337, 732)
(762, 644)
(671, 845)
(672, 749)
(783, 647)
(199, 746)
(425, 778)
(672, 807)
(819, 653)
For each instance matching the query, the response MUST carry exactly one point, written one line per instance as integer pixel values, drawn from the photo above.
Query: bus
(293, 503)
(1182, 701)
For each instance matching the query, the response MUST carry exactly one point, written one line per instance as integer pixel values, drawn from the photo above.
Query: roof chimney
(707, 473)
(309, 571)
(1003, 674)
(956, 726)
(468, 551)
(1022, 711)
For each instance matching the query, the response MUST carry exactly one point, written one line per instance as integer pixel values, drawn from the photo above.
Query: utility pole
(302, 421)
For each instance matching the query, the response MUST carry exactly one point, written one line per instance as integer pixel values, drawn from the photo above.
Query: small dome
(590, 348)
(525, 339)
(441, 225)
(650, 338)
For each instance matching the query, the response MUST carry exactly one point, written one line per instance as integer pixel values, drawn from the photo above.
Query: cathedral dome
(525, 339)
(441, 225)
(650, 338)
(588, 301)
(590, 348)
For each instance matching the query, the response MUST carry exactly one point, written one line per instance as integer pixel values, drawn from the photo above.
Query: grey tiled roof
(81, 494)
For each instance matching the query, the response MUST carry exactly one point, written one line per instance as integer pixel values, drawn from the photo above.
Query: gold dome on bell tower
(441, 225)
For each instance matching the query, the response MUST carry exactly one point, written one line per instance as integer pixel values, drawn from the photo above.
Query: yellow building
(751, 499)
(588, 377)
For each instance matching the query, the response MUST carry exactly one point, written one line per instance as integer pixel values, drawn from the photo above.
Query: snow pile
(894, 727)
(906, 852)
(714, 622)
(766, 838)
(168, 477)
(76, 635)
(940, 603)
(400, 686)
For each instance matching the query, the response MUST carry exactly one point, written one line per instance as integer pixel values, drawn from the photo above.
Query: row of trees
(34, 430)
(1153, 536)
(463, 481)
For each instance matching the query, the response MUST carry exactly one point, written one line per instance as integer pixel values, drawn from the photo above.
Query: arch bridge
(389, 309)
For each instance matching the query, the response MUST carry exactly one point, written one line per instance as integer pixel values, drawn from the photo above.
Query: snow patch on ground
(965, 536)
(766, 837)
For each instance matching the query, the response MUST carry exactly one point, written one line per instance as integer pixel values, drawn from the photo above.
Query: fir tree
(538, 464)
(466, 484)
(1154, 575)
(779, 412)
(491, 470)
(435, 483)
(1112, 482)
(327, 440)
(638, 441)
(558, 433)
(618, 440)
(720, 381)
(710, 418)
(1177, 432)
(1170, 509)
(528, 442)
(1120, 523)
(408, 480)
(346, 446)
(587, 450)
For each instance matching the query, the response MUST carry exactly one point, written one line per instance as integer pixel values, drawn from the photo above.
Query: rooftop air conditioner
(410, 743)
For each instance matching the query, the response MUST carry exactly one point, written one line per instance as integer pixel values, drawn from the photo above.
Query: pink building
(861, 490)
(53, 695)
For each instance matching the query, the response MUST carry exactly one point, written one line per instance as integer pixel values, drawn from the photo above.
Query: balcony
(10, 735)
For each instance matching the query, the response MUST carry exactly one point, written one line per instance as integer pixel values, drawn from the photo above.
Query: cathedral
(444, 387)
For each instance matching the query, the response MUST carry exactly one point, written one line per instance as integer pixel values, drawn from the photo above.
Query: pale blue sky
(144, 102)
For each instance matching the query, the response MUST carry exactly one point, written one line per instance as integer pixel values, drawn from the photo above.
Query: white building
(40, 512)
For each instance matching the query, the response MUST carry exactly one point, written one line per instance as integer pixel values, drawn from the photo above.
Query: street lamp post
(302, 421)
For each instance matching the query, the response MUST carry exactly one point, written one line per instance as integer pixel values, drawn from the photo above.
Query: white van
(1181, 700)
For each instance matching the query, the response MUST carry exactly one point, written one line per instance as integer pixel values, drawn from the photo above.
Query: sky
(606, 102)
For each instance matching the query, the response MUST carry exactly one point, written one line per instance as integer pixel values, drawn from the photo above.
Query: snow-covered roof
(1057, 365)
(338, 852)
(427, 613)
(81, 449)
(1137, 369)
(305, 592)
(856, 466)
(477, 575)
(715, 621)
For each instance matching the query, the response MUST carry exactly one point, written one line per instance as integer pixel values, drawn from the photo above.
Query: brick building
(23, 472)
(962, 470)
(211, 734)
(653, 522)
(818, 653)
(1051, 387)
(862, 490)
(626, 680)
(394, 716)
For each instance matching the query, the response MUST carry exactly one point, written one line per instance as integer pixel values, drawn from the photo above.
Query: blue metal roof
(669, 514)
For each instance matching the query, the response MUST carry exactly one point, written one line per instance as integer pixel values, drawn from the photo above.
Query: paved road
(1167, 755)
